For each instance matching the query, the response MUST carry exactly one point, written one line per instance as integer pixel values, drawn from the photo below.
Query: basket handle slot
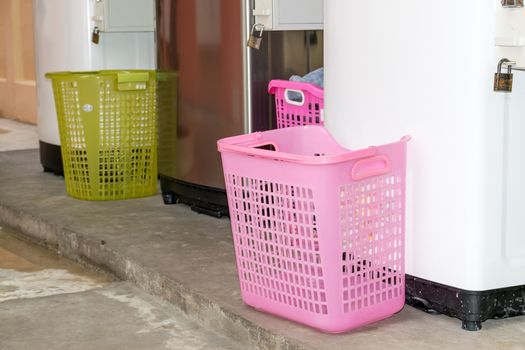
(290, 96)
(128, 81)
(246, 144)
(311, 89)
(369, 167)
(269, 146)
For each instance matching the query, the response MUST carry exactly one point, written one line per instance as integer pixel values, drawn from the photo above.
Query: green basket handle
(128, 81)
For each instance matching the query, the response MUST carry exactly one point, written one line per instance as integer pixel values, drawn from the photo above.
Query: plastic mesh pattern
(318, 230)
(372, 231)
(277, 247)
(288, 115)
(108, 138)
(74, 152)
(297, 103)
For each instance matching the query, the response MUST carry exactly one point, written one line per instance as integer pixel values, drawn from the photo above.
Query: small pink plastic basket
(318, 229)
(297, 103)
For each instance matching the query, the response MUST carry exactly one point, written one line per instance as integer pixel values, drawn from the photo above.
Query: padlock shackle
(254, 28)
(508, 63)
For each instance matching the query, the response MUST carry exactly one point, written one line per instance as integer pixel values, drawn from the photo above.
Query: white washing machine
(427, 69)
(63, 42)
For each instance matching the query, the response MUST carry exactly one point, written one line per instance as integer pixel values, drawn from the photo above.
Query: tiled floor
(17, 136)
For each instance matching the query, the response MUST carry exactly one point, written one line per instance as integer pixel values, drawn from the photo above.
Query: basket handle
(292, 102)
(248, 149)
(128, 81)
(259, 152)
(295, 85)
(369, 167)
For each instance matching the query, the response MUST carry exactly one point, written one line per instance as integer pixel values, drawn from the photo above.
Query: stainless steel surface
(202, 40)
(282, 54)
(246, 59)
(222, 84)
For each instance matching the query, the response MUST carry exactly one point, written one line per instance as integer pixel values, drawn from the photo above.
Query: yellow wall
(17, 61)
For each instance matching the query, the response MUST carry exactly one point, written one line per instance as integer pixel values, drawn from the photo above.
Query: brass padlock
(503, 81)
(95, 36)
(254, 41)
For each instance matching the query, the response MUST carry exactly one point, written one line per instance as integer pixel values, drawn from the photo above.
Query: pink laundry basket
(306, 110)
(318, 229)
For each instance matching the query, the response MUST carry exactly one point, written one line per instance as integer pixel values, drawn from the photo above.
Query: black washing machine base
(471, 307)
(51, 158)
(202, 199)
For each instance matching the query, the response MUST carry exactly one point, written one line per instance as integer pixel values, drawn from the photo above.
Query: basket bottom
(202, 199)
(329, 323)
(108, 198)
(107, 190)
(117, 174)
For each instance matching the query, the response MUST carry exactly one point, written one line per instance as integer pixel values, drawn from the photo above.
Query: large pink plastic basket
(318, 229)
(307, 111)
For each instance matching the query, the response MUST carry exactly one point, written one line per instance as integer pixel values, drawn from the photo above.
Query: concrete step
(50, 302)
(188, 260)
(116, 316)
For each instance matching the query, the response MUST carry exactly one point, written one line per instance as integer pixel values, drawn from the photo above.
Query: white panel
(300, 12)
(63, 43)
(510, 27)
(514, 203)
(263, 12)
(289, 14)
(131, 50)
(428, 71)
(129, 15)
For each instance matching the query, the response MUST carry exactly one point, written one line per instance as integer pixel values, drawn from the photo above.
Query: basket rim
(91, 74)
(295, 85)
(244, 144)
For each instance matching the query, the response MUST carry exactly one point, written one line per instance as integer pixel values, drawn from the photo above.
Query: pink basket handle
(295, 85)
(292, 102)
(373, 166)
(249, 141)
(369, 167)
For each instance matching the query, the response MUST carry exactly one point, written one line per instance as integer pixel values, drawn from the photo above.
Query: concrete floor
(48, 302)
(188, 259)
(17, 136)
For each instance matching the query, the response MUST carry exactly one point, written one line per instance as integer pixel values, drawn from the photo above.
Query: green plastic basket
(108, 133)
(167, 83)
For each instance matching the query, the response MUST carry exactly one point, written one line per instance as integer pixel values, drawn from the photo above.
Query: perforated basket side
(297, 103)
(108, 135)
(372, 241)
(311, 113)
(276, 241)
(317, 242)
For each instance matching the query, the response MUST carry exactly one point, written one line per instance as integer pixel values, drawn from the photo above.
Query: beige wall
(17, 61)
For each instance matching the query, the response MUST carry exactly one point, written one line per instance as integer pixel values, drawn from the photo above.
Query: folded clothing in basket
(315, 77)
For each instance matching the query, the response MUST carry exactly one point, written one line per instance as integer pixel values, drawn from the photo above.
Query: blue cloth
(315, 77)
